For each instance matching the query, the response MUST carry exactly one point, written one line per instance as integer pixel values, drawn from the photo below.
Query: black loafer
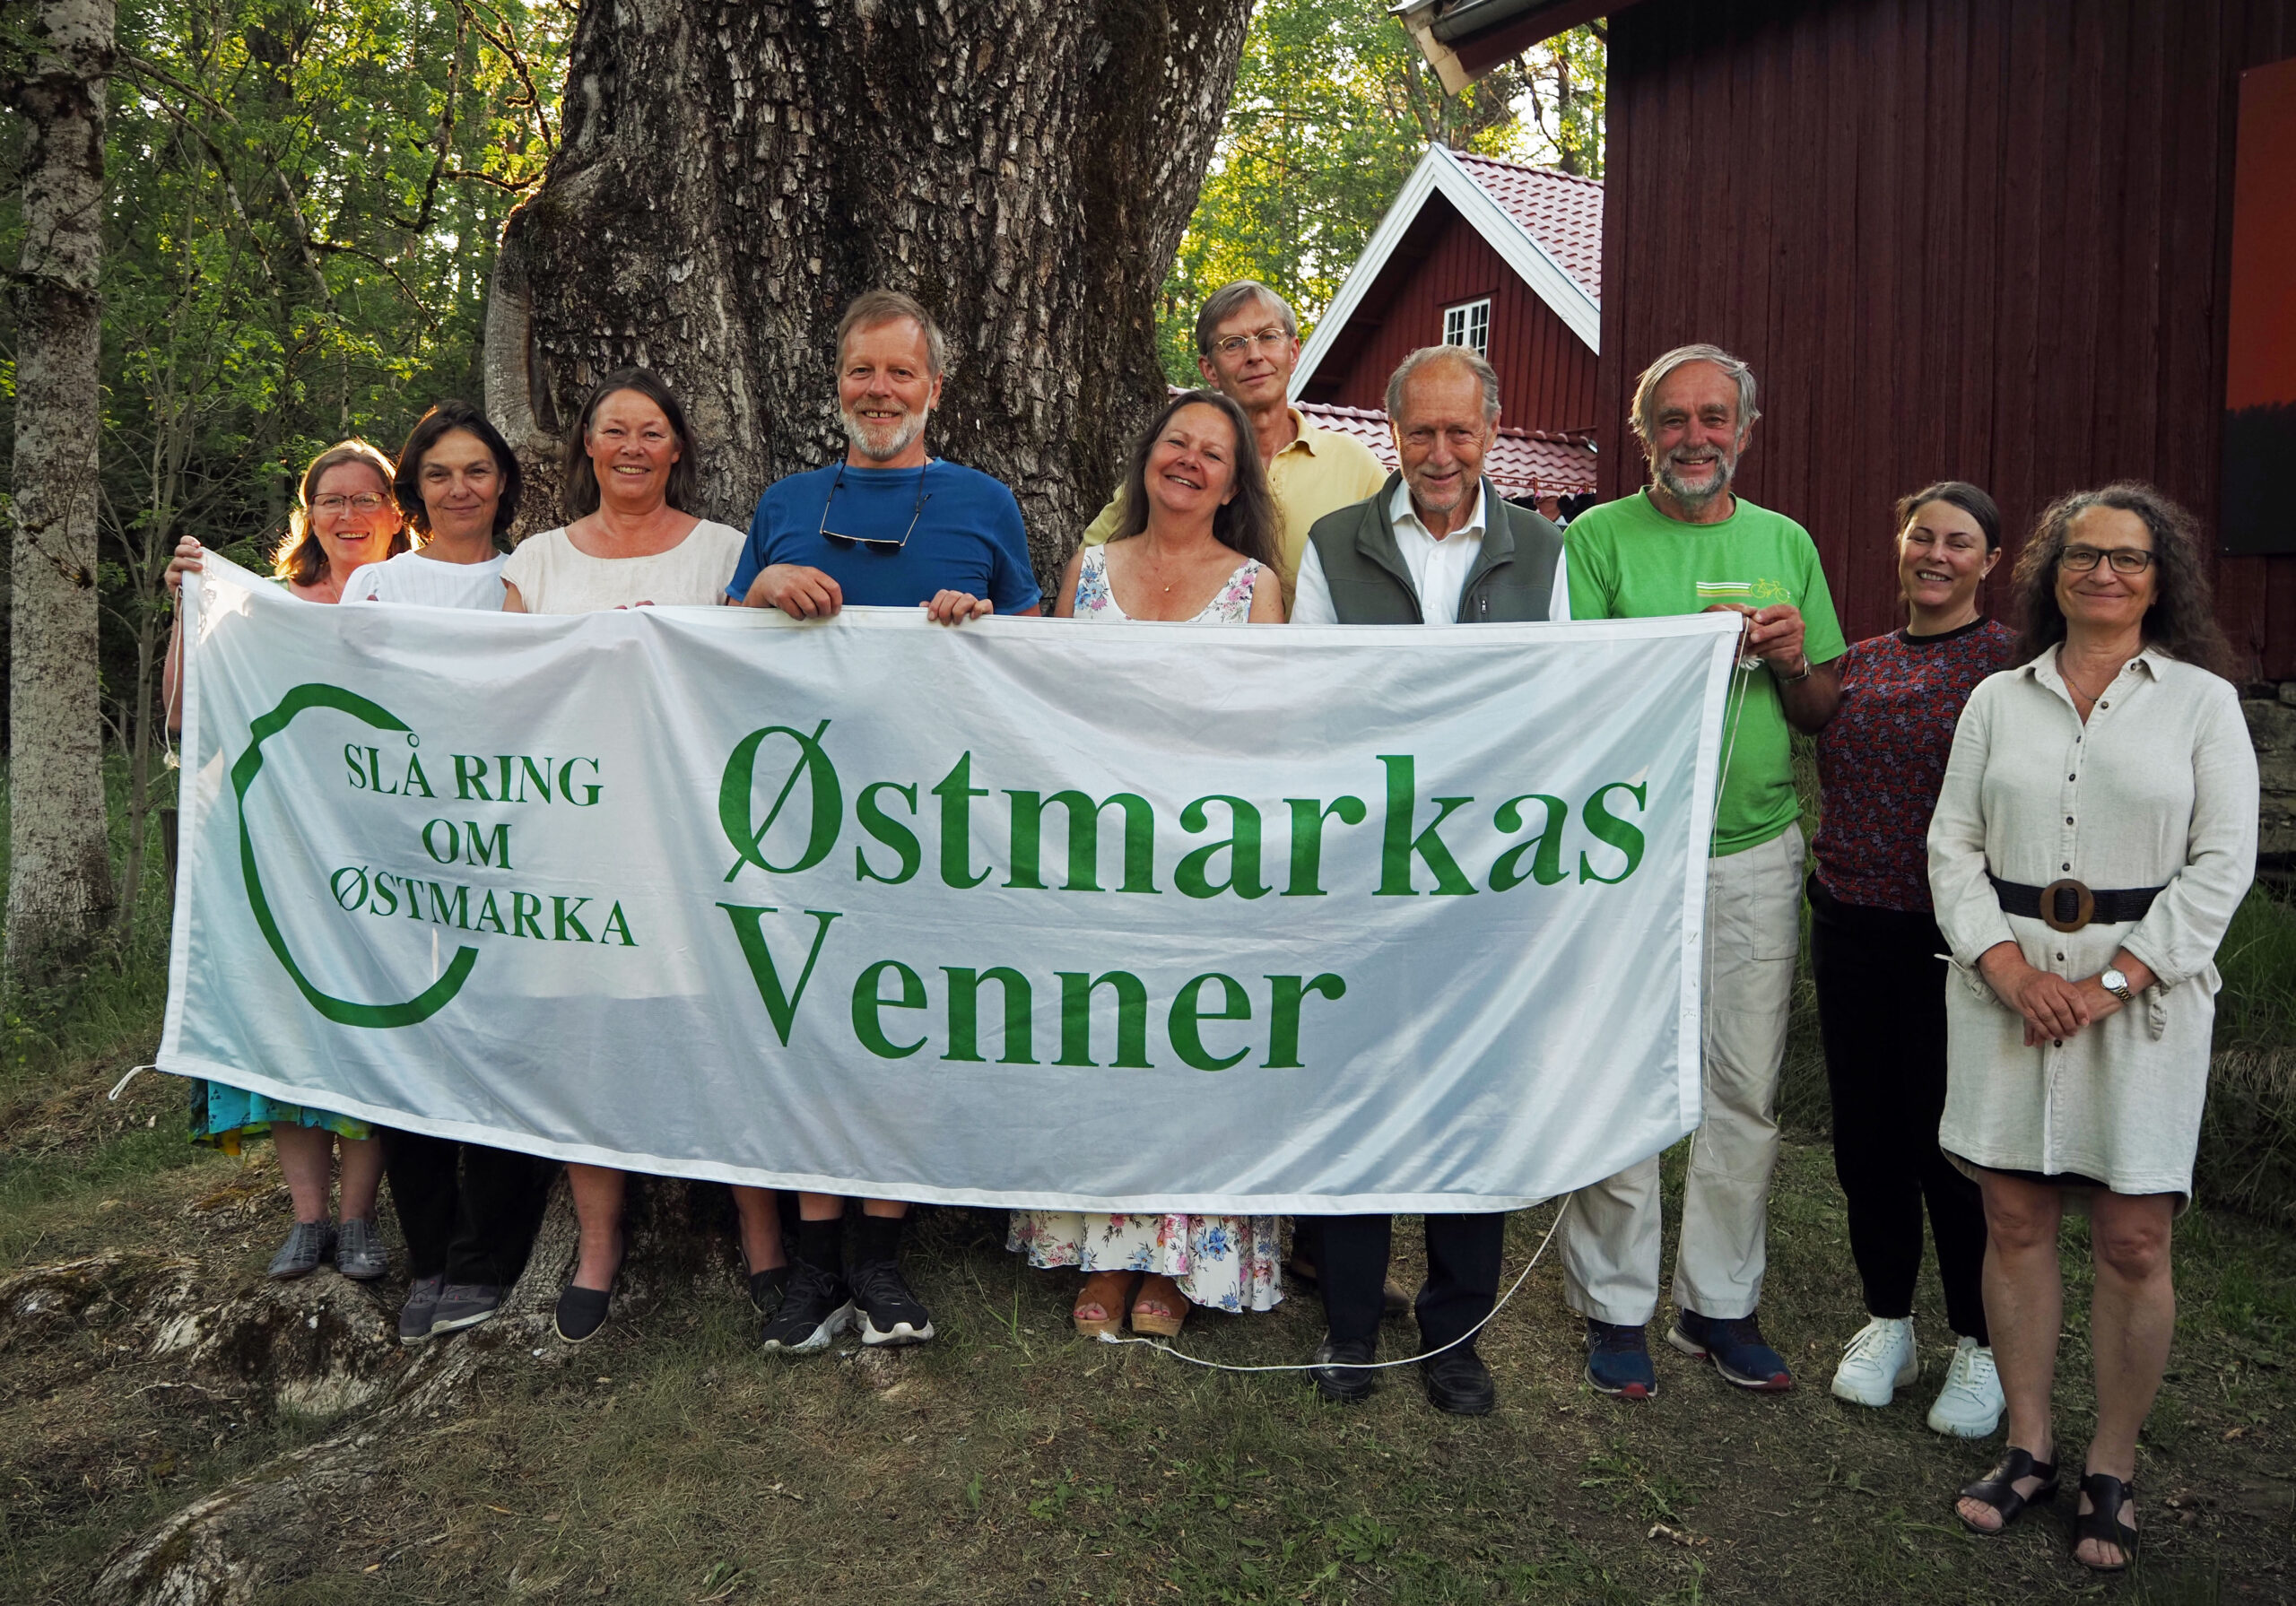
(581, 1312)
(1341, 1372)
(1458, 1382)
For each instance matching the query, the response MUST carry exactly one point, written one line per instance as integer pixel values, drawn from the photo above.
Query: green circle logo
(342, 1012)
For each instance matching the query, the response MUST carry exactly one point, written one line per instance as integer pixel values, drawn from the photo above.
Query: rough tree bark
(59, 887)
(734, 173)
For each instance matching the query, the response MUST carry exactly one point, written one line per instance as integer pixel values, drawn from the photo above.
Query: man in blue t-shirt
(891, 526)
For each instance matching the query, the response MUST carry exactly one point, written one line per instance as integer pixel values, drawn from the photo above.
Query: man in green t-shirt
(1684, 543)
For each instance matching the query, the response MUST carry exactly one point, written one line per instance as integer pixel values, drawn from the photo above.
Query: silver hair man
(1694, 466)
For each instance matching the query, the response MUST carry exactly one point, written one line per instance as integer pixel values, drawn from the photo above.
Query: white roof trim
(1439, 170)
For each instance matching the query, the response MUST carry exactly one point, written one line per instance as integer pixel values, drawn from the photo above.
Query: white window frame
(1468, 324)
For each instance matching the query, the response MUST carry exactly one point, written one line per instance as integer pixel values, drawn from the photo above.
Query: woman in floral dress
(1197, 545)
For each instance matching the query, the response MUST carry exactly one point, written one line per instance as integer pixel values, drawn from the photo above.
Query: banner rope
(1374, 1366)
(120, 1086)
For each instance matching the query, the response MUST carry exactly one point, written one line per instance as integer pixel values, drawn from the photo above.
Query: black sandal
(1999, 1489)
(2101, 1522)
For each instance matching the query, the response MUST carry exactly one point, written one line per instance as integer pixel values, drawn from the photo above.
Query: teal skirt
(221, 1116)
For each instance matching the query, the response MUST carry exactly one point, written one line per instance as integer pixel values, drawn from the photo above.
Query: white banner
(1109, 918)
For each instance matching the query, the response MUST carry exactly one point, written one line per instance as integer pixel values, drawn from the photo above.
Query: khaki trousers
(1610, 1244)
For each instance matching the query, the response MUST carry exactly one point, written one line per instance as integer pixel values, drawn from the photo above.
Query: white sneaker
(1878, 1362)
(1969, 1405)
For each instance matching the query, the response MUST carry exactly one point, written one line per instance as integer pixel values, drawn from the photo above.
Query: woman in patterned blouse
(1875, 953)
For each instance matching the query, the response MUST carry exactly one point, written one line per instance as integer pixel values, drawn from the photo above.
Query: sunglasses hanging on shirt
(875, 544)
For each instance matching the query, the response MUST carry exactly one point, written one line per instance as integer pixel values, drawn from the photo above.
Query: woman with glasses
(629, 478)
(2096, 830)
(344, 517)
(1874, 955)
(1196, 544)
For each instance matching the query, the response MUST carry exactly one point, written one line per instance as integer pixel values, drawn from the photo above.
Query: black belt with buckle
(2068, 906)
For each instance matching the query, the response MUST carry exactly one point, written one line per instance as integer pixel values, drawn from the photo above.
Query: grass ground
(669, 1461)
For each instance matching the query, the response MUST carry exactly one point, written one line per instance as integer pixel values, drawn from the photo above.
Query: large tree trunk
(733, 173)
(60, 886)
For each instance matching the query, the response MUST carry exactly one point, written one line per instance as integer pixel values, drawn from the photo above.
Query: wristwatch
(1794, 680)
(2113, 982)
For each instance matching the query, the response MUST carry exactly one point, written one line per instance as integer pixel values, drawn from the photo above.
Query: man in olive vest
(1436, 545)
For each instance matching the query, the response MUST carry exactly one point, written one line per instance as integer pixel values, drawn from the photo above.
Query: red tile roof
(1562, 212)
(1524, 462)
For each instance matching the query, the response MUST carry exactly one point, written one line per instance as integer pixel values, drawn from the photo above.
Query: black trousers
(468, 1211)
(1462, 1274)
(1882, 1018)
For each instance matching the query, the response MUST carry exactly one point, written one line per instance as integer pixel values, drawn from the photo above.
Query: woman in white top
(628, 478)
(459, 483)
(2096, 830)
(1197, 544)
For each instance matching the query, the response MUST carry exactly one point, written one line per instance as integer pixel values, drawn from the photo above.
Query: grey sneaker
(464, 1304)
(305, 1250)
(422, 1307)
(359, 1251)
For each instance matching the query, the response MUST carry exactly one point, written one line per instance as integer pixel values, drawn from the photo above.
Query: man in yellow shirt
(1246, 344)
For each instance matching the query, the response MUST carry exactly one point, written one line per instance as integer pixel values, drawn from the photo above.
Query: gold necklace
(2085, 696)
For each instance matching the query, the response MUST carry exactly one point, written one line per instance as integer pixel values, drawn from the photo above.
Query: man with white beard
(889, 525)
(1684, 543)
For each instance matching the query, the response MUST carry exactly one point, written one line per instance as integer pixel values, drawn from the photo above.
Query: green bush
(2247, 1135)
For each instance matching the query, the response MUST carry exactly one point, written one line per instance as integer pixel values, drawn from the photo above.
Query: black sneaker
(815, 1310)
(421, 1309)
(767, 1288)
(464, 1304)
(889, 1313)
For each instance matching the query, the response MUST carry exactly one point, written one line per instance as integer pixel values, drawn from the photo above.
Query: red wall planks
(1984, 240)
(1546, 374)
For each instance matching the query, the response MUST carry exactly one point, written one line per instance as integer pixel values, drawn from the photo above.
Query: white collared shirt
(1439, 569)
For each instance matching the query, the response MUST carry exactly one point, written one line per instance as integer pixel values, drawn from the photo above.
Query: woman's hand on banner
(954, 607)
(189, 552)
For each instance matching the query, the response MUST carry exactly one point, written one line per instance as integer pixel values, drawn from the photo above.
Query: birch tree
(59, 883)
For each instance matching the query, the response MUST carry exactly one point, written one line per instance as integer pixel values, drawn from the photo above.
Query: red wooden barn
(1493, 255)
(1987, 240)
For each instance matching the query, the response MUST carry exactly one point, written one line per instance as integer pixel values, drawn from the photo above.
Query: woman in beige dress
(629, 477)
(2096, 830)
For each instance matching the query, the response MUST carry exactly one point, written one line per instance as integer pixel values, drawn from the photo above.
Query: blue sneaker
(1618, 1361)
(1736, 1348)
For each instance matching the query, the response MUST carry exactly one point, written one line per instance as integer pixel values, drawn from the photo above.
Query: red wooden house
(1497, 256)
(1987, 240)
(1982, 239)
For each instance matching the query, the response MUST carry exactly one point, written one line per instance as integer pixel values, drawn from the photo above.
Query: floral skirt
(1225, 1263)
(220, 1117)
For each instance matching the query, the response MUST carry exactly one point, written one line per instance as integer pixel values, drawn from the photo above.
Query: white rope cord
(120, 1086)
(1374, 1366)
